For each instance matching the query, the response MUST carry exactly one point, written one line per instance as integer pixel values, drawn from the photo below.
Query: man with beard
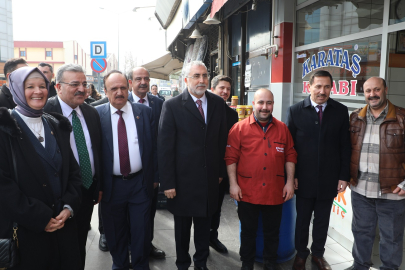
(319, 126)
(257, 152)
(191, 148)
(376, 168)
(47, 70)
(6, 99)
(85, 141)
(139, 80)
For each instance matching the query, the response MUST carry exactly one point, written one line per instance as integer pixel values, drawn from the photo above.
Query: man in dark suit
(47, 70)
(154, 92)
(102, 101)
(221, 86)
(130, 169)
(191, 143)
(139, 80)
(319, 126)
(71, 85)
(6, 99)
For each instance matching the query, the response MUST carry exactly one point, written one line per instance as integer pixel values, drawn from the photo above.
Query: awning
(165, 10)
(162, 67)
(216, 5)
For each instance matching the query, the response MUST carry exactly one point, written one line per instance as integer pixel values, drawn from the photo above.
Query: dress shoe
(90, 227)
(269, 266)
(201, 268)
(321, 263)
(247, 267)
(351, 268)
(102, 243)
(156, 253)
(218, 246)
(299, 263)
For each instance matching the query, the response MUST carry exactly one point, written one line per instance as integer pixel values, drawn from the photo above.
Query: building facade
(6, 35)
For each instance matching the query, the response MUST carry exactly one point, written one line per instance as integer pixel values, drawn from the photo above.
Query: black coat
(231, 119)
(323, 150)
(6, 99)
(52, 91)
(191, 154)
(99, 102)
(94, 126)
(31, 202)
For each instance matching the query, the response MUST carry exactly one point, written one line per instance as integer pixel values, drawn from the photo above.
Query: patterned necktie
(125, 165)
(142, 100)
(320, 113)
(84, 159)
(199, 103)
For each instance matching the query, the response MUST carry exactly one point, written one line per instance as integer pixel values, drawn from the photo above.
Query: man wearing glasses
(139, 80)
(85, 141)
(191, 149)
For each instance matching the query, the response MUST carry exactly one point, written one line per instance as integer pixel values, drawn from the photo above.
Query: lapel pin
(52, 132)
(151, 101)
(137, 117)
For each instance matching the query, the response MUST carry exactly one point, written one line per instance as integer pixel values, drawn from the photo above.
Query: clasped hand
(58, 222)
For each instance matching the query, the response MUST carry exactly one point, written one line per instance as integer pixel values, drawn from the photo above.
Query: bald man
(258, 150)
(377, 177)
(139, 79)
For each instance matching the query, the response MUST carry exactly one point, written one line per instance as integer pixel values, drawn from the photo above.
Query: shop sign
(341, 88)
(336, 57)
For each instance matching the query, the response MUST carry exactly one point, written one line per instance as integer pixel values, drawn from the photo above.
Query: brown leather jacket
(392, 147)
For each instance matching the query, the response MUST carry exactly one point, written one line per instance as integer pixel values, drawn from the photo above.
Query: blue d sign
(98, 49)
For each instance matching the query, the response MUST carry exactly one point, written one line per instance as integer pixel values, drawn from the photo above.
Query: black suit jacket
(6, 99)
(99, 102)
(191, 154)
(324, 150)
(93, 124)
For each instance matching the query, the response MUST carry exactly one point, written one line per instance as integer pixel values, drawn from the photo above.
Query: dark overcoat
(324, 150)
(93, 123)
(31, 201)
(6, 99)
(191, 154)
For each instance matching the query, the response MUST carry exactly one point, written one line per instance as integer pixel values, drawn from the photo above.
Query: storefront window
(396, 68)
(350, 63)
(330, 19)
(397, 11)
(258, 26)
(236, 33)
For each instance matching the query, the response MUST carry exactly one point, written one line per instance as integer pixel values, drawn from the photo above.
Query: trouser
(321, 210)
(100, 220)
(153, 212)
(182, 227)
(127, 215)
(390, 216)
(249, 218)
(83, 218)
(216, 217)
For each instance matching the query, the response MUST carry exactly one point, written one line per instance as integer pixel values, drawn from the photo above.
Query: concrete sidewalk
(335, 254)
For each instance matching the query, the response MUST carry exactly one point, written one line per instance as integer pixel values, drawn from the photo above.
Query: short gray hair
(68, 67)
(193, 63)
(130, 74)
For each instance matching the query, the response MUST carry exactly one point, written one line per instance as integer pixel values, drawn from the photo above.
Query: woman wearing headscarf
(43, 192)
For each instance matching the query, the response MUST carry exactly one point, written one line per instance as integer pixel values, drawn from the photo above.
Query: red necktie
(320, 113)
(141, 100)
(199, 103)
(123, 146)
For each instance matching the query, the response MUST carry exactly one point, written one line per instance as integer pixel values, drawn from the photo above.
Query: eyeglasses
(139, 79)
(198, 76)
(77, 84)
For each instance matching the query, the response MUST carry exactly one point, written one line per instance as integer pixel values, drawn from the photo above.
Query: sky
(92, 20)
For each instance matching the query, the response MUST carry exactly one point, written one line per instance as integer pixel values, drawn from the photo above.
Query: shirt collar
(315, 104)
(67, 110)
(267, 124)
(125, 109)
(203, 98)
(136, 98)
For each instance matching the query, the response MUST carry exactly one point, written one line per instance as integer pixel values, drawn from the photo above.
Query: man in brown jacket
(377, 171)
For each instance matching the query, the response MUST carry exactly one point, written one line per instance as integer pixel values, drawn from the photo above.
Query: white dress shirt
(67, 112)
(132, 136)
(136, 99)
(35, 124)
(204, 104)
(315, 104)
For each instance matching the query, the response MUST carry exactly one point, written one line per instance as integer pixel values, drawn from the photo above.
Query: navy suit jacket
(145, 126)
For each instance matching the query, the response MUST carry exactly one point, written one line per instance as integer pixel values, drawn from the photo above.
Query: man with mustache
(139, 79)
(191, 143)
(85, 141)
(377, 177)
(258, 150)
(319, 126)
